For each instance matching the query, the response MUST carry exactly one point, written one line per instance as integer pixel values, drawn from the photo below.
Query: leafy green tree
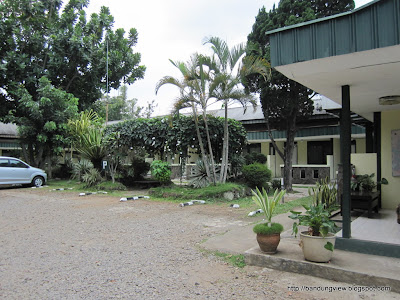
(285, 101)
(42, 38)
(43, 127)
(122, 108)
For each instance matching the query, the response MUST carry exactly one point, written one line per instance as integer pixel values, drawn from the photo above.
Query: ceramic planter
(313, 247)
(268, 242)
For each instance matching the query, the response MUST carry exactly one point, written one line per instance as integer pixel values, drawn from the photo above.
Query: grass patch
(57, 184)
(115, 189)
(288, 206)
(234, 260)
(188, 193)
(263, 228)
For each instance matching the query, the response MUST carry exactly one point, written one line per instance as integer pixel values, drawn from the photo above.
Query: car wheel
(38, 181)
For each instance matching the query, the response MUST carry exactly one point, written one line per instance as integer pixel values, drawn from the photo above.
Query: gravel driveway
(57, 245)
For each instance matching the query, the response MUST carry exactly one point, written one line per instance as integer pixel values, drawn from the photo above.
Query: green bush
(63, 170)
(109, 186)
(256, 175)
(255, 157)
(135, 171)
(265, 229)
(237, 162)
(81, 168)
(161, 171)
(276, 184)
(210, 192)
(140, 167)
(91, 177)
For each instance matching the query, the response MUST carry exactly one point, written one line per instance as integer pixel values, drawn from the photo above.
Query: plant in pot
(268, 233)
(318, 241)
(365, 182)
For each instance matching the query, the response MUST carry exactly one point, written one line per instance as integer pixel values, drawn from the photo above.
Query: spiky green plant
(80, 168)
(324, 192)
(91, 178)
(267, 204)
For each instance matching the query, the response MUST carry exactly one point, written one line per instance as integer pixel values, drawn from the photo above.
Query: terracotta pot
(313, 247)
(268, 242)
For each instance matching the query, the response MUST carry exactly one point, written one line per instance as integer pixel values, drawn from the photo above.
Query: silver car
(14, 171)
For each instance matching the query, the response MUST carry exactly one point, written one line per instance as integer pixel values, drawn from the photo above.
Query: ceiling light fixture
(389, 100)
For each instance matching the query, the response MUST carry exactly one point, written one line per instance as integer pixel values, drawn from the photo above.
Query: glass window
(17, 164)
(3, 162)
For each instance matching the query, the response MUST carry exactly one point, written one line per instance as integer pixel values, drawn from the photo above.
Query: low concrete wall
(309, 174)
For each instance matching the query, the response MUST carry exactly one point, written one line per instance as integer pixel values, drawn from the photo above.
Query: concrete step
(350, 267)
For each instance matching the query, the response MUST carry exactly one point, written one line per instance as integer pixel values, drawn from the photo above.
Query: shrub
(81, 168)
(140, 167)
(91, 177)
(200, 178)
(237, 162)
(109, 186)
(256, 175)
(136, 170)
(161, 171)
(64, 170)
(276, 184)
(255, 157)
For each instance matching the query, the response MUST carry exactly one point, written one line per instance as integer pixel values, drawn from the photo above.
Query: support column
(345, 141)
(377, 146)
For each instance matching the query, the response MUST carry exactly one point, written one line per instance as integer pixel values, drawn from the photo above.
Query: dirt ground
(59, 245)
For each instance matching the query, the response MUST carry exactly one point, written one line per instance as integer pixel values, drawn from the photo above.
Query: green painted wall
(390, 192)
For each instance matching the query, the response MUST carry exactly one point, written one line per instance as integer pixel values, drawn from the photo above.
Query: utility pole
(107, 80)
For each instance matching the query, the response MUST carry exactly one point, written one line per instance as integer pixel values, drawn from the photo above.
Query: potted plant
(318, 241)
(268, 233)
(365, 182)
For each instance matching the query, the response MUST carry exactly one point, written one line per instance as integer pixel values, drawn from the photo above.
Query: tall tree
(196, 89)
(38, 39)
(230, 70)
(285, 101)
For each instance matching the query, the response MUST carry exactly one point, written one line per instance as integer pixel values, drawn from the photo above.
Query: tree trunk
(49, 168)
(214, 177)
(201, 145)
(287, 156)
(288, 167)
(225, 148)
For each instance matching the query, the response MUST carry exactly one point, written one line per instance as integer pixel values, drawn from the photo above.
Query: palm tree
(196, 90)
(230, 71)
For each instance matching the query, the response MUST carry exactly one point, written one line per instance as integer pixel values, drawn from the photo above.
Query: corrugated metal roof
(304, 132)
(239, 113)
(8, 130)
(372, 26)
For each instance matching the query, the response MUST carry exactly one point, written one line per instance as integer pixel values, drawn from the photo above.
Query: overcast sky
(175, 29)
